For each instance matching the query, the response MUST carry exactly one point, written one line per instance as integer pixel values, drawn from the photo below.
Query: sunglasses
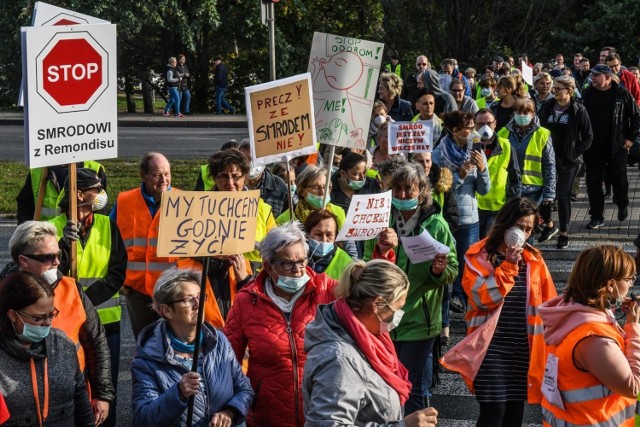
(46, 259)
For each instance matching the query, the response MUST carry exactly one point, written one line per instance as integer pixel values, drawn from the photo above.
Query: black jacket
(626, 116)
(578, 134)
(183, 70)
(93, 340)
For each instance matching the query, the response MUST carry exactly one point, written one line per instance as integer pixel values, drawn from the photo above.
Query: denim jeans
(221, 102)
(566, 176)
(413, 355)
(174, 101)
(185, 96)
(465, 236)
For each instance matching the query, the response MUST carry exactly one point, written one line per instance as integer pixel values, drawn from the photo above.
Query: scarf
(377, 349)
(452, 156)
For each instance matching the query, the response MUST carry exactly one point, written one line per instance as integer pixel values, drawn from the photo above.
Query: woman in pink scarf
(352, 375)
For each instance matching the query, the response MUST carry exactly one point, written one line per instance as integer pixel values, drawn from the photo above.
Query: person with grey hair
(34, 249)
(413, 212)
(389, 91)
(350, 353)
(269, 317)
(161, 374)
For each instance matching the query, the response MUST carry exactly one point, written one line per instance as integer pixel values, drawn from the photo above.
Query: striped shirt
(503, 373)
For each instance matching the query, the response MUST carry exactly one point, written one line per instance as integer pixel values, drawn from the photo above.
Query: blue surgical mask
(522, 119)
(404, 204)
(33, 333)
(293, 189)
(320, 248)
(316, 201)
(291, 285)
(486, 91)
(356, 185)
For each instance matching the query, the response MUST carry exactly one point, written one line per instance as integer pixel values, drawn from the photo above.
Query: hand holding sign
(423, 248)
(387, 240)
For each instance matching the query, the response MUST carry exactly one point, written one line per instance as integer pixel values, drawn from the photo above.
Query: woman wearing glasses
(597, 375)
(269, 319)
(161, 373)
(34, 249)
(37, 362)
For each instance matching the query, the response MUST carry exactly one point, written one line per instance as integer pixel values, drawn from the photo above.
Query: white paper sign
(344, 72)
(550, 382)
(410, 137)
(368, 215)
(423, 247)
(71, 106)
(527, 73)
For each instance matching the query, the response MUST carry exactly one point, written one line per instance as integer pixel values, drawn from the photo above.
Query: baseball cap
(601, 69)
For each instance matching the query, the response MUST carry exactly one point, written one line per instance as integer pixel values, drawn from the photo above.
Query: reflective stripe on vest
(532, 166)
(620, 418)
(72, 313)
(492, 291)
(207, 179)
(338, 264)
(93, 262)
(140, 233)
(499, 176)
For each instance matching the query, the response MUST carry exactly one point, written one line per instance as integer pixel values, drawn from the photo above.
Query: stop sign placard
(72, 72)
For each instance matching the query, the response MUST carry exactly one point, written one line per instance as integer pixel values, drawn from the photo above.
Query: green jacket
(423, 310)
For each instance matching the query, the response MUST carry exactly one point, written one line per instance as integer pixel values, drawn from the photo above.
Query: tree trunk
(147, 97)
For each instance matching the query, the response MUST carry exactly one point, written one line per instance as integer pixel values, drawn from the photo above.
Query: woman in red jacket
(269, 318)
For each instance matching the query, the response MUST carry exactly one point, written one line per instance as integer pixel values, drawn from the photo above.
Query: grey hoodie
(445, 103)
(339, 385)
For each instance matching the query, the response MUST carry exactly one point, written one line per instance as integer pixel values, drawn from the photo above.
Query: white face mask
(386, 327)
(255, 172)
(50, 276)
(100, 201)
(380, 119)
(486, 133)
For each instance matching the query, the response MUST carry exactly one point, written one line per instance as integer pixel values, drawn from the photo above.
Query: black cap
(601, 69)
(498, 58)
(85, 179)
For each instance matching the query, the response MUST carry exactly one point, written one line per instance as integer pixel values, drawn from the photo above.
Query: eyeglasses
(317, 188)
(225, 177)
(288, 265)
(46, 259)
(479, 125)
(457, 90)
(41, 319)
(189, 301)
(421, 65)
(614, 65)
(632, 278)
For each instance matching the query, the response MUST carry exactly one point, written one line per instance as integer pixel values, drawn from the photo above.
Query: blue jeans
(465, 236)
(413, 355)
(174, 101)
(185, 95)
(221, 102)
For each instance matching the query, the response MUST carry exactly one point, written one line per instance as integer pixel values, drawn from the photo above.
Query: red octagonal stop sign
(72, 72)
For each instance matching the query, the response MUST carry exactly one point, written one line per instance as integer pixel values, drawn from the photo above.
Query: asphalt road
(175, 143)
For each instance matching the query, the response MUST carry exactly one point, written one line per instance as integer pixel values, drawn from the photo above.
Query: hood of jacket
(326, 327)
(153, 342)
(441, 178)
(560, 318)
(431, 81)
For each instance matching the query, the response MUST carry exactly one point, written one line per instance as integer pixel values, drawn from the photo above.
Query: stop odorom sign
(72, 72)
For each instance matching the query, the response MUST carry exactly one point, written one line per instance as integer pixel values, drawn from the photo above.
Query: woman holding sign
(414, 214)
(502, 358)
(324, 255)
(595, 360)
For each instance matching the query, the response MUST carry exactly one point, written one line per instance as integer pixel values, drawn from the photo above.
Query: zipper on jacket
(294, 355)
(427, 315)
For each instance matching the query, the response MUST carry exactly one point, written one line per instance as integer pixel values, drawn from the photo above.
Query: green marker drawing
(344, 100)
(377, 51)
(366, 87)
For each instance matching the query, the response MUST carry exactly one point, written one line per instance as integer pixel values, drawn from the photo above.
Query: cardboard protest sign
(423, 247)
(198, 223)
(368, 215)
(410, 137)
(281, 122)
(345, 80)
(527, 73)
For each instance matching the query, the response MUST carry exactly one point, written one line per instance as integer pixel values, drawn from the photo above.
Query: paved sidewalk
(155, 120)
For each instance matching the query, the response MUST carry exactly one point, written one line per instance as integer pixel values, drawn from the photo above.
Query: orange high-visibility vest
(586, 400)
(212, 312)
(140, 234)
(72, 313)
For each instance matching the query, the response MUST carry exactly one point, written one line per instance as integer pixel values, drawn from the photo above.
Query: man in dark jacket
(185, 93)
(615, 119)
(221, 82)
(410, 85)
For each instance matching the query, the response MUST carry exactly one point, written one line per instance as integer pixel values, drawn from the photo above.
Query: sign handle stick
(73, 215)
(286, 160)
(332, 153)
(196, 347)
(41, 189)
